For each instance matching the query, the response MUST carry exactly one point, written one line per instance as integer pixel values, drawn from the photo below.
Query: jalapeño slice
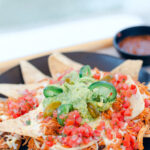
(50, 108)
(106, 90)
(92, 110)
(51, 91)
(85, 71)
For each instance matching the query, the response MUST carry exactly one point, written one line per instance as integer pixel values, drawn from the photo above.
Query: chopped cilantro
(28, 122)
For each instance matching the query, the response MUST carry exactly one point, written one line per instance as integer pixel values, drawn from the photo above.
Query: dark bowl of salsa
(134, 43)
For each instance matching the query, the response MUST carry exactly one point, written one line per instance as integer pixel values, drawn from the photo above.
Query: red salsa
(138, 45)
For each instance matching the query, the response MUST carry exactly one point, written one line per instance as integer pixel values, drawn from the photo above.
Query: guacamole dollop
(77, 93)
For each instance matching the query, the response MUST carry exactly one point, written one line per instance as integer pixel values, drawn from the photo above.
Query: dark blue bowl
(132, 31)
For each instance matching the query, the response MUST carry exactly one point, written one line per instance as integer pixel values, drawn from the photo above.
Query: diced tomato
(110, 94)
(126, 141)
(132, 140)
(96, 76)
(129, 142)
(72, 141)
(109, 134)
(69, 122)
(68, 130)
(137, 129)
(128, 93)
(125, 86)
(50, 141)
(147, 102)
(75, 133)
(97, 133)
(60, 77)
(122, 78)
(78, 120)
(121, 124)
(126, 104)
(101, 126)
(123, 89)
(114, 123)
(74, 118)
(52, 82)
(118, 135)
(86, 130)
(132, 87)
(22, 105)
(86, 140)
(134, 91)
(128, 112)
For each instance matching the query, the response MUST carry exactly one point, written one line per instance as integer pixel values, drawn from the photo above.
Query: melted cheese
(3, 117)
(136, 100)
(58, 146)
(39, 95)
(37, 143)
(35, 125)
(145, 96)
(11, 140)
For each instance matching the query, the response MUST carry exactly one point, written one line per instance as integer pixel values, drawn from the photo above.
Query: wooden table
(101, 46)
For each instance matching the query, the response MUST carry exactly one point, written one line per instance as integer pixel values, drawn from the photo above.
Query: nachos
(80, 108)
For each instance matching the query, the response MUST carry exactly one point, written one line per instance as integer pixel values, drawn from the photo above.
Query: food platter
(102, 62)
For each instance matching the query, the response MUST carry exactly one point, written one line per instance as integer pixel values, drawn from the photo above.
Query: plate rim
(92, 53)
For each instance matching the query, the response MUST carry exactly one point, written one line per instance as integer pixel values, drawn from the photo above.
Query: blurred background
(33, 26)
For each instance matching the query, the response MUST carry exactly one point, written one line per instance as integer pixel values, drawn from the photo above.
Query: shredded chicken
(51, 128)
(101, 145)
(116, 146)
(32, 145)
(92, 147)
(140, 137)
(117, 105)
(3, 144)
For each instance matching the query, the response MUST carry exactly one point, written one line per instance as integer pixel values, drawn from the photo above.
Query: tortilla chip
(20, 126)
(136, 101)
(31, 74)
(129, 67)
(58, 64)
(147, 135)
(15, 90)
(90, 146)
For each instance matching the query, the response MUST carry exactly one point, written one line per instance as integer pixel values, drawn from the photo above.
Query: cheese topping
(11, 140)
